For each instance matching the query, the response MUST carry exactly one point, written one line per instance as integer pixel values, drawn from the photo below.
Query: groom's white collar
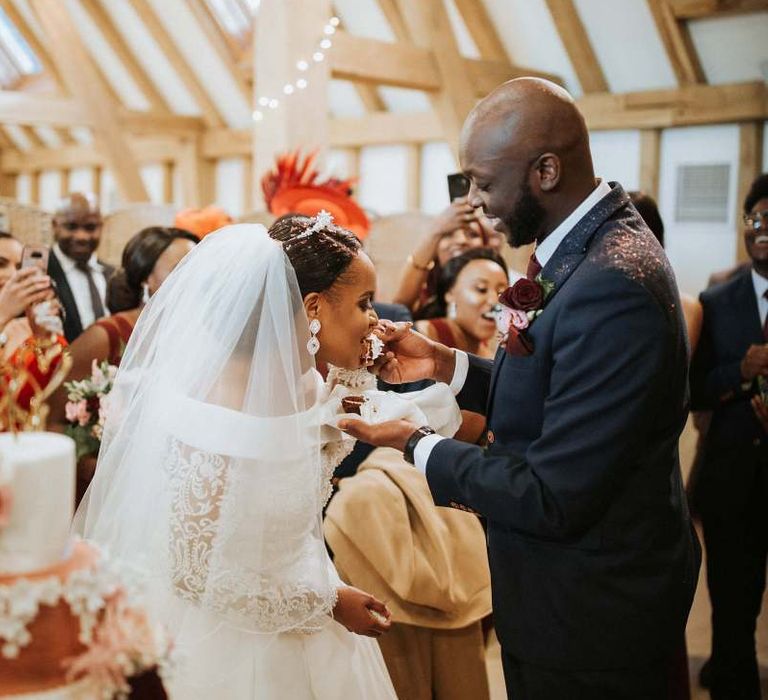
(546, 249)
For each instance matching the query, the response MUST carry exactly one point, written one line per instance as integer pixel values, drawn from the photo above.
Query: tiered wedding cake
(70, 627)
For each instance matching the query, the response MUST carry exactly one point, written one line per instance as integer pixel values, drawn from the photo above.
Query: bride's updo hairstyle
(320, 258)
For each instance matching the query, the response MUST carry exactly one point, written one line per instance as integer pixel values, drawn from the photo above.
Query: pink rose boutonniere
(522, 305)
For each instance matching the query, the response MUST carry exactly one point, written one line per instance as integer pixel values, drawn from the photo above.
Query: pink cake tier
(70, 627)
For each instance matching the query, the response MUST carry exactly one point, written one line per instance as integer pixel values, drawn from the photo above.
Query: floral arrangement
(86, 408)
(522, 303)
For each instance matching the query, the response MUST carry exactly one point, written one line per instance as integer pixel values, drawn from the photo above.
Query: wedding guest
(432, 569)
(148, 258)
(29, 312)
(454, 230)
(467, 292)
(732, 488)
(649, 210)
(79, 276)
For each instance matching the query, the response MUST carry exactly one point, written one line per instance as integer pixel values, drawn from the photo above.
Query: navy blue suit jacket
(593, 559)
(735, 445)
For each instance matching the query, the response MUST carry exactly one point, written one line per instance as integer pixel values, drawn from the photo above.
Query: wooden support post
(168, 171)
(413, 177)
(197, 175)
(96, 181)
(81, 78)
(64, 182)
(751, 136)
(650, 161)
(285, 28)
(34, 187)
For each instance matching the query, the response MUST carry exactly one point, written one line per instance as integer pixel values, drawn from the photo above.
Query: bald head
(528, 140)
(77, 225)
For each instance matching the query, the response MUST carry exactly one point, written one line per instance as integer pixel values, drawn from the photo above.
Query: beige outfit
(430, 566)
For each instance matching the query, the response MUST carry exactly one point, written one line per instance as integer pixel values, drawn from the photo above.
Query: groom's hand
(391, 433)
(410, 356)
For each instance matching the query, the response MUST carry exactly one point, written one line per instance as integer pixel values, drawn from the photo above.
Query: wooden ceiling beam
(144, 150)
(694, 105)
(407, 65)
(429, 26)
(702, 9)
(368, 94)
(82, 80)
(211, 113)
(577, 45)
(481, 29)
(678, 44)
(125, 55)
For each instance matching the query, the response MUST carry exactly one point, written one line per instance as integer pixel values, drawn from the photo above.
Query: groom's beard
(524, 223)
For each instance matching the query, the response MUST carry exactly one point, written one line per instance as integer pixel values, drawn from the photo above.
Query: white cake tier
(41, 467)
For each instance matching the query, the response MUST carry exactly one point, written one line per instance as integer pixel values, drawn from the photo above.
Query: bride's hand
(410, 356)
(354, 609)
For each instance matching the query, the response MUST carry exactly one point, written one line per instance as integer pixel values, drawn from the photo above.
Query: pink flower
(77, 412)
(519, 319)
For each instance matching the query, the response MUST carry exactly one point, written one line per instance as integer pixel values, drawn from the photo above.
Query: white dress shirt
(544, 252)
(78, 283)
(761, 287)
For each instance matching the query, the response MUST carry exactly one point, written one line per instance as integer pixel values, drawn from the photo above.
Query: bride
(216, 461)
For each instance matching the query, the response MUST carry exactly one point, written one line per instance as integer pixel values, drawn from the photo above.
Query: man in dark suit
(80, 278)
(731, 491)
(593, 558)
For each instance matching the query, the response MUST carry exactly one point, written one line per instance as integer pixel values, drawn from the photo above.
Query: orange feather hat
(293, 186)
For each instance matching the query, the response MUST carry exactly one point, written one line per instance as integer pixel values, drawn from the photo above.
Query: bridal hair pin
(322, 220)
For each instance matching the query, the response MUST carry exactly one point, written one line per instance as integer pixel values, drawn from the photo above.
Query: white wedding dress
(214, 469)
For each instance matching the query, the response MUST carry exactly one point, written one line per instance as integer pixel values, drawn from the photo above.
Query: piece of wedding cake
(70, 624)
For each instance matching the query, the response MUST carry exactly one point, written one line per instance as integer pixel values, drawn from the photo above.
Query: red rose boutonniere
(522, 304)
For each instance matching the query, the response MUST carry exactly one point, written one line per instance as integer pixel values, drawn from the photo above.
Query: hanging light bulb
(288, 89)
(318, 56)
(301, 83)
(334, 21)
(263, 101)
(274, 103)
(325, 44)
(257, 115)
(329, 29)
(302, 65)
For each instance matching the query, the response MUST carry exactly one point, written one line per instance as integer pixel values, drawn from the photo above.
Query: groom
(593, 559)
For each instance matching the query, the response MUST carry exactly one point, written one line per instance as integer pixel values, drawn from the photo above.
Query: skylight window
(16, 58)
(235, 16)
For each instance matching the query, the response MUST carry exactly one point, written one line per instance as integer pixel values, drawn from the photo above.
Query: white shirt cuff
(423, 449)
(460, 371)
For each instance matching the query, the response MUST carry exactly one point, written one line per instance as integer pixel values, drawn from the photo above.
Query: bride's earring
(145, 294)
(313, 344)
(452, 310)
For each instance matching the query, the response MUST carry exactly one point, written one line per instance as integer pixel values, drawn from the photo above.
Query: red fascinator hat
(293, 186)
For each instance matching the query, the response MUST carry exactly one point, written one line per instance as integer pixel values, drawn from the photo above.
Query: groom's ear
(312, 304)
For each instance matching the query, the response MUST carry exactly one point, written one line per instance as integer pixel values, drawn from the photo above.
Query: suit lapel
(573, 249)
(72, 321)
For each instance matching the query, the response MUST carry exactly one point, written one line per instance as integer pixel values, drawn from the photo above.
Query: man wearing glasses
(731, 492)
(80, 278)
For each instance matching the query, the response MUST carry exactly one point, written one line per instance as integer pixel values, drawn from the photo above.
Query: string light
(302, 65)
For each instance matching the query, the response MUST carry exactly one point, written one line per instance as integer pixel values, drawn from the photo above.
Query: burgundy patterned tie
(534, 268)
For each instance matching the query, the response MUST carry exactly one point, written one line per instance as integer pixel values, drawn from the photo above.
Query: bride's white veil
(209, 474)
